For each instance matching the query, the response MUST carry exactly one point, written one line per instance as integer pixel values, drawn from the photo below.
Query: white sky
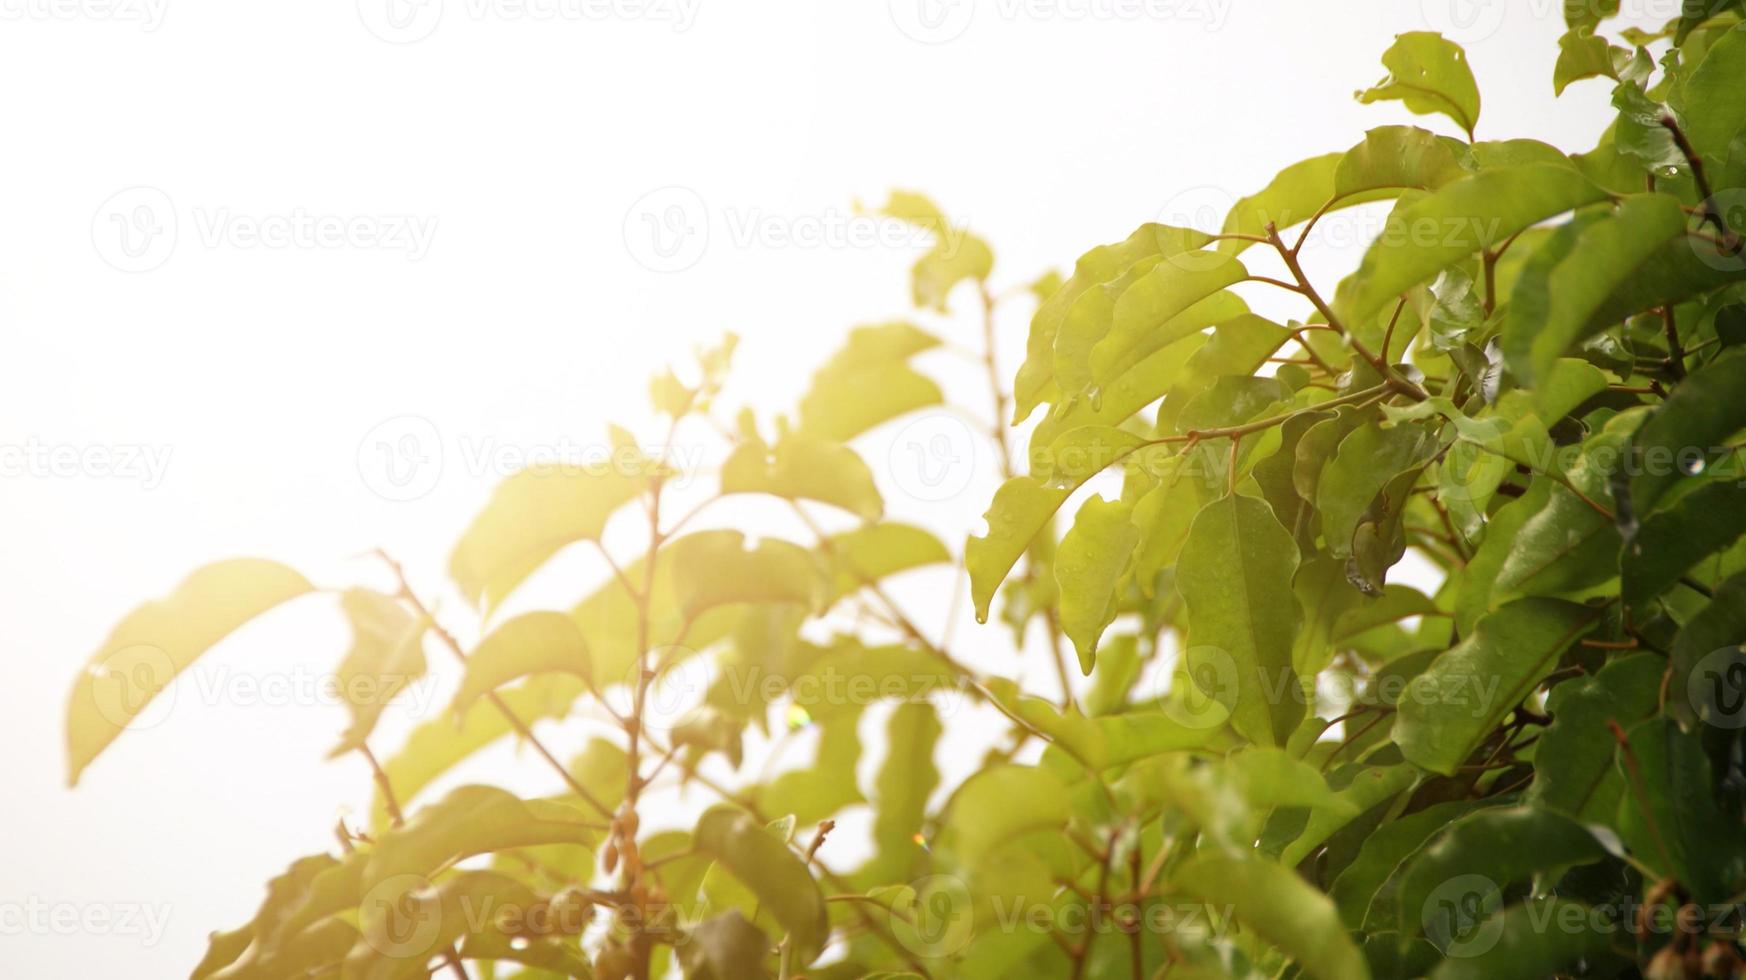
(511, 311)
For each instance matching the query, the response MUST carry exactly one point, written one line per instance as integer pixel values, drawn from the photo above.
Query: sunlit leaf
(776, 875)
(1429, 74)
(145, 652)
(1280, 907)
(534, 643)
(803, 467)
(1088, 567)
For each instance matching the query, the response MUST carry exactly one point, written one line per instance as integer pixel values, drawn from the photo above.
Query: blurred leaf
(726, 947)
(776, 875)
(387, 655)
(1280, 907)
(714, 568)
(153, 644)
(534, 643)
(867, 382)
(803, 467)
(533, 515)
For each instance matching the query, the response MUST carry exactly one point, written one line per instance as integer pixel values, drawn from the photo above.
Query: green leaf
(472, 820)
(714, 568)
(1714, 112)
(1280, 907)
(440, 744)
(868, 382)
(1143, 384)
(1366, 461)
(1588, 13)
(1568, 545)
(1235, 577)
(1552, 309)
(1573, 764)
(387, 655)
(1088, 567)
(1451, 707)
(1024, 505)
(1708, 680)
(803, 467)
(1528, 942)
(956, 256)
(1099, 266)
(1677, 537)
(1291, 198)
(1476, 858)
(812, 793)
(1475, 213)
(534, 643)
(1683, 435)
(1397, 158)
(1147, 316)
(145, 652)
(1582, 55)
(1383, 855)
(875, 552)
(906, 780)
(1003, 804)
(776, 875)
(726, 947)
(536, 513)
(1669, 817)
(1429, 74)
(1370, 788)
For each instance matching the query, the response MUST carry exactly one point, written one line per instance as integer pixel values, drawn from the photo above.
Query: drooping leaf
(145, 652)
(1000, 805)
(1147, 317)
(534, 643)
(1383, 854)
(906, 780)
(1235, 576)
(1088, 567)
(776, 875)
(1429, 74)
(1280, 907)
(875, 552)
(1485, 676)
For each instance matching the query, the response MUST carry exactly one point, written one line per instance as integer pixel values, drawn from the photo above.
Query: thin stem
(1730, 241)
(515, 721)
(397, 818)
